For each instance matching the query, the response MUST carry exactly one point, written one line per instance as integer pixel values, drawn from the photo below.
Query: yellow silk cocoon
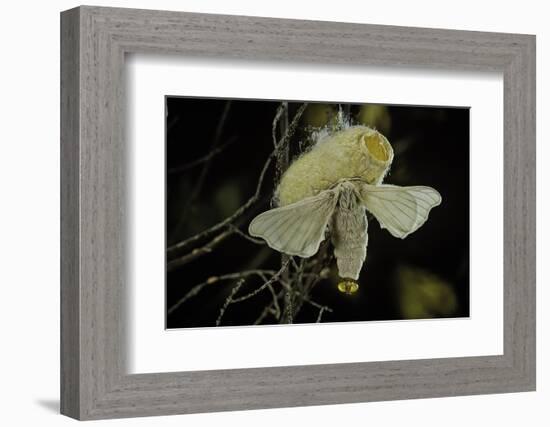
(356, 152)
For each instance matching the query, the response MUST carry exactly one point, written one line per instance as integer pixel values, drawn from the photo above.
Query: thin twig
(272, 308)
(288, 313)
(269, 309)
(197, 252)
(229, 300)
(275, 302)
(321, 311)
(299, 284)
(200, 160)
(216, 279)
(295, 264)
(272, 280)
(309, 300)
(283, 157)
(282, 107)
(209, 247)
(246, 236)
(197, 188)
(346, 109)
(317, 305)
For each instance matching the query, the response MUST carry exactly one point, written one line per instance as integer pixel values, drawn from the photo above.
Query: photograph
(295, 212)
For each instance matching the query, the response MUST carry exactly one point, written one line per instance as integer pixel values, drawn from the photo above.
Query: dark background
(425, 275)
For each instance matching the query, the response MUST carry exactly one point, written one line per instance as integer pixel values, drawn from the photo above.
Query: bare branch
(198, 186)
(288, 315)
(246, 236)
(298, 282)
(282, 107)
(295, 264)
(216, 279)
(290, 286)
(317, 305)
(210, 246)
(284, 140)
(283, 157)
(197, 252)
(269, 309)
(320, 315)
(229, 300)
(272, 308)
(200, 160)
(275, 302)
(272, 280)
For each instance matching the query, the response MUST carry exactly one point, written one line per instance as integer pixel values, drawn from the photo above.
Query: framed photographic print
(329, 170)
(262, 213)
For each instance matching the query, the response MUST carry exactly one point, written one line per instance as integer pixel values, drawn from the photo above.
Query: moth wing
(401, 210)
(298, 228)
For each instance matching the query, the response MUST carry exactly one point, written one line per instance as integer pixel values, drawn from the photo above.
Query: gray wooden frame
(94, 41)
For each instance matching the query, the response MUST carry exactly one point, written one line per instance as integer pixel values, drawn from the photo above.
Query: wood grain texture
(70, 333)
(94, 382)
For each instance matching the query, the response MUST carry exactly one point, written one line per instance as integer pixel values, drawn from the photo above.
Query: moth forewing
(349, 233)
(298, 228)
(401, 210)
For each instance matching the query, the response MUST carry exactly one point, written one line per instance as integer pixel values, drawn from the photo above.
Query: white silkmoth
(329, 189)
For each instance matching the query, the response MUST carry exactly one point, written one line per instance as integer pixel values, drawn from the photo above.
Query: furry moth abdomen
(348, 231)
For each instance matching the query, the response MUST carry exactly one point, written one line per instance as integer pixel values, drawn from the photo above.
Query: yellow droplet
(348, 287)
